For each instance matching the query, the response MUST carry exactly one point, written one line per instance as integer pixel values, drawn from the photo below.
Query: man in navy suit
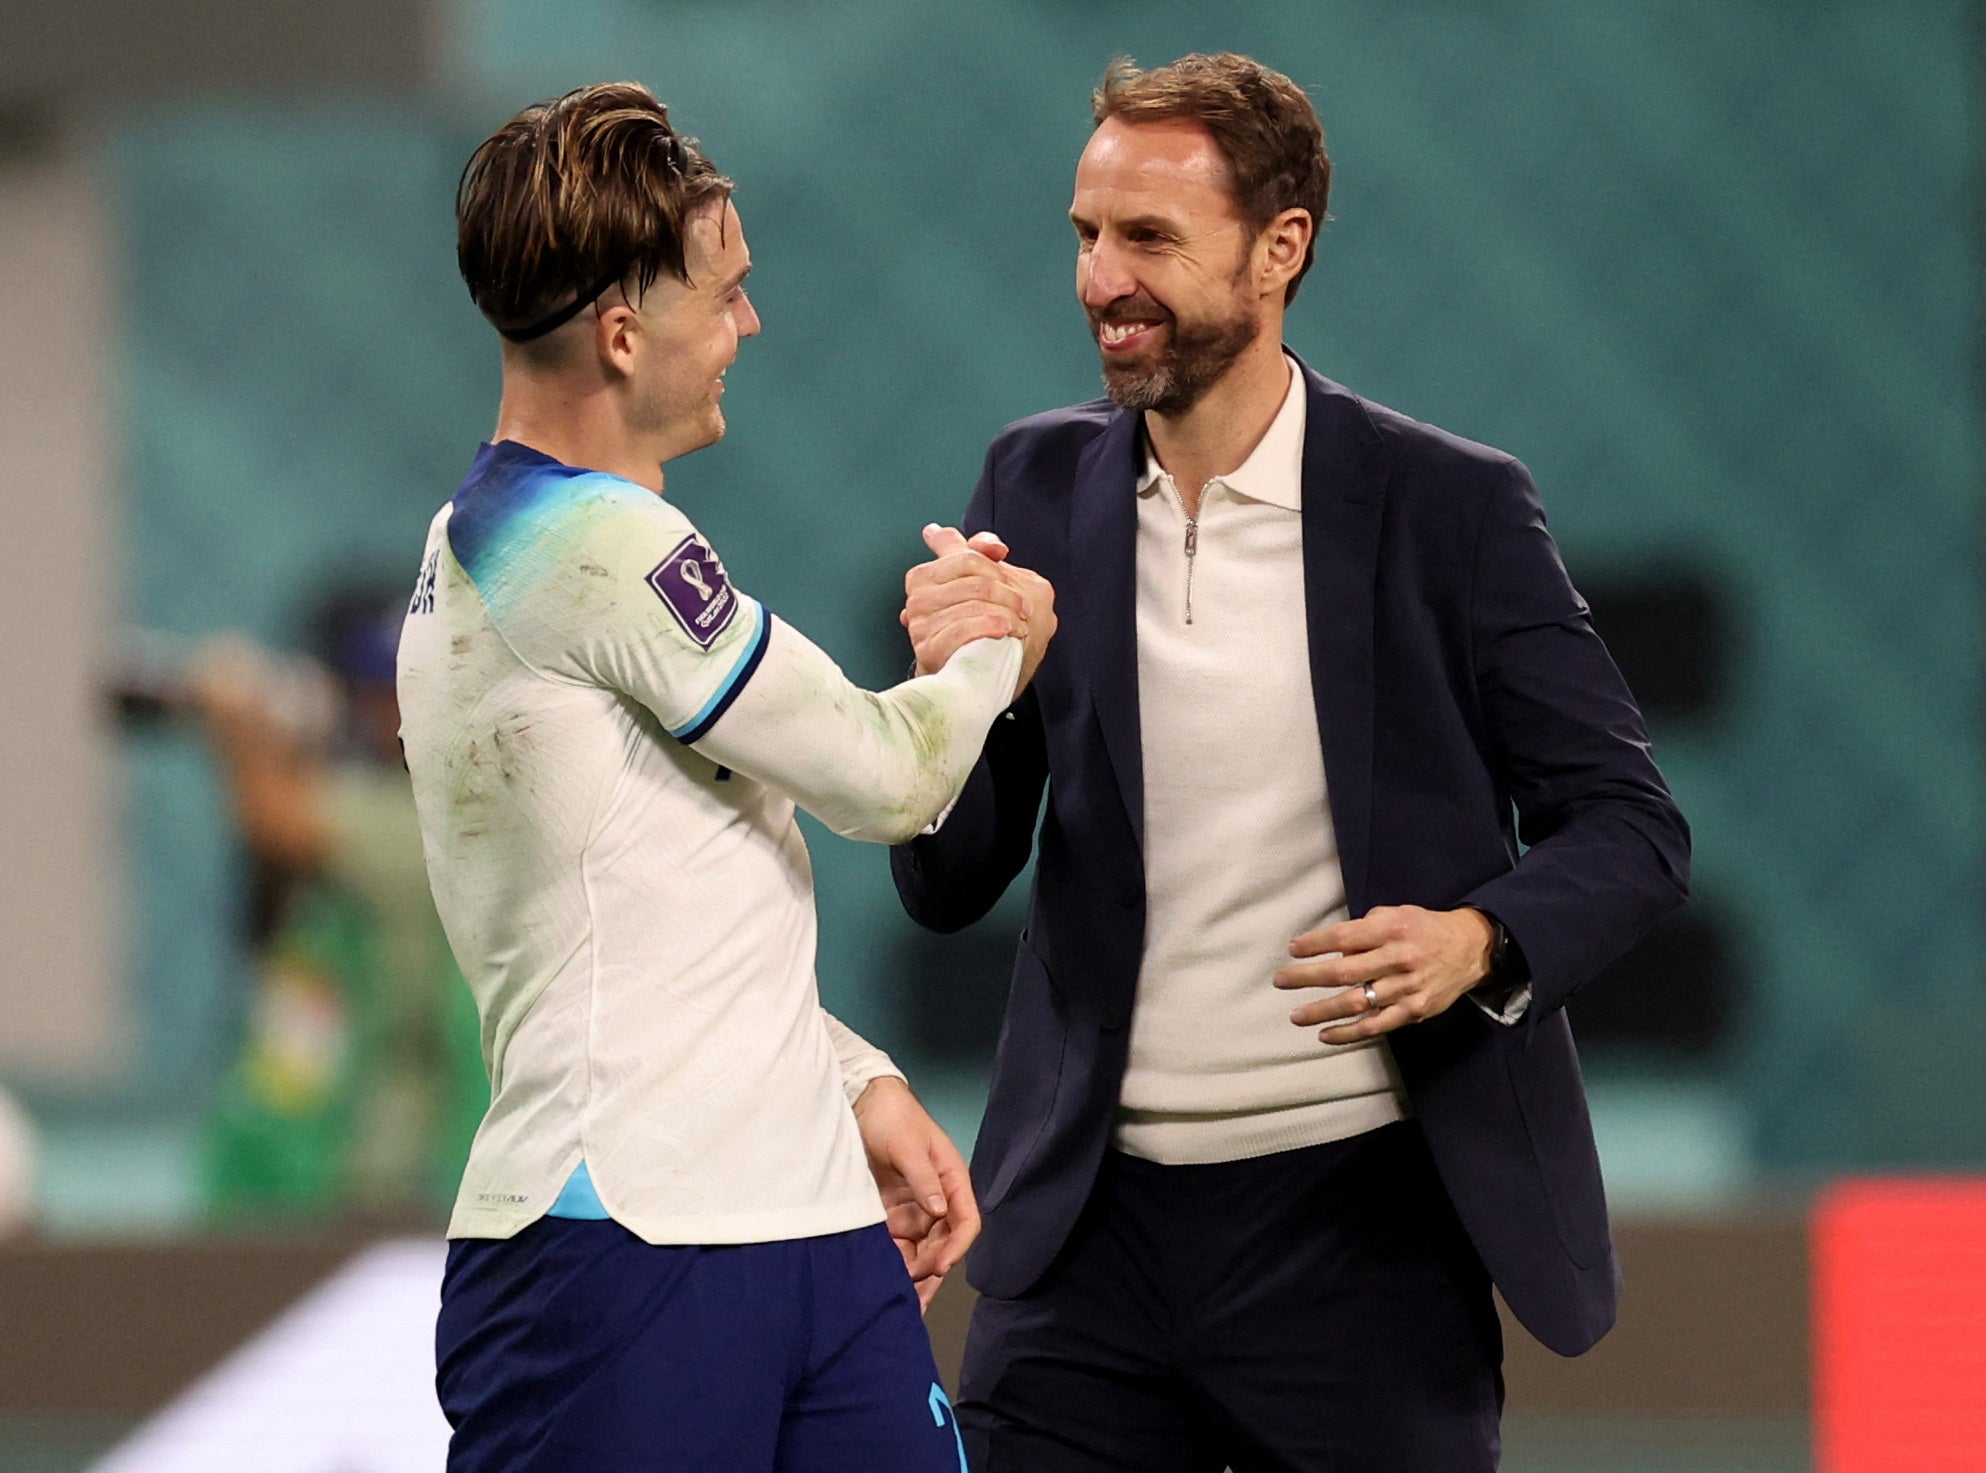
(1344, 799)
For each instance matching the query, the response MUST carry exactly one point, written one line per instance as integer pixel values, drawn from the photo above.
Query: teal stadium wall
(1712, 271)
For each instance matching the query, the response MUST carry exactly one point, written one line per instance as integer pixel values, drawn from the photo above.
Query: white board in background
(342, 1383)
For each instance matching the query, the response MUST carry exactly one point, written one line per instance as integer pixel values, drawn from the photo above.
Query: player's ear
(617, 334)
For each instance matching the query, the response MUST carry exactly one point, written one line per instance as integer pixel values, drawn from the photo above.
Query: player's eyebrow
(733, 283)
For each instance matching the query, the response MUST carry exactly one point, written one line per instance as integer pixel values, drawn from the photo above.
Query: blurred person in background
(358, 1081)
(1222, 1231)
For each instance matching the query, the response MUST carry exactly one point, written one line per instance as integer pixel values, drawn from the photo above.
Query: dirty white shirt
(607, 742)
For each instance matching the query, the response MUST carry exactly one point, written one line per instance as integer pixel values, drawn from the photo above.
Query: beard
(1195, 356)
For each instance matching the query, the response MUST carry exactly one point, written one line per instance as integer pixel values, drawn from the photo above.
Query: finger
(1028, 579)
(979, 587)
(951, 630)
(930, 1257)
(988, 545)
(927, 1290)
(920, 1176)
(1034, 590)
(910, 1220)
(961, 1225)
(1381, 1020)
(927, 624)
(1352, 1003)
(1337, 970)
(960, 579)
(943, 540)
(935, 650)
(1346, 936)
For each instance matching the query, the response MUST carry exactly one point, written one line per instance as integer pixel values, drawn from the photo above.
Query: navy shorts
(575, 1347)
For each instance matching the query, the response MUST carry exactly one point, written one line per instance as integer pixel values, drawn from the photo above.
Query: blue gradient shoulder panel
(510, 499)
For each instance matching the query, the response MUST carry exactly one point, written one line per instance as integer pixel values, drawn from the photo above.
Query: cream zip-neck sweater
(1240, 854)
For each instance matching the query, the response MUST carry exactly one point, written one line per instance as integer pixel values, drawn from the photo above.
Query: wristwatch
(1507, 968)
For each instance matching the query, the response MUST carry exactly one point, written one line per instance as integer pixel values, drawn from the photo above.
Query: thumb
(920, 1175)
(945, 540)
(988, 545)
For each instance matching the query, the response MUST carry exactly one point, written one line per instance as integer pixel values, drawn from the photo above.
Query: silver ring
(1371, 997)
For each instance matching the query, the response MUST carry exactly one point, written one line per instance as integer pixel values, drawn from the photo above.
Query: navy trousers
(1315, 1311)
(575, 1347)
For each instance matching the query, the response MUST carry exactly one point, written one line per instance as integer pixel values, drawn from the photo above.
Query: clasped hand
(970, 591)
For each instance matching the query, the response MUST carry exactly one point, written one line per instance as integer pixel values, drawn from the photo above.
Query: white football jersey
(607, 740)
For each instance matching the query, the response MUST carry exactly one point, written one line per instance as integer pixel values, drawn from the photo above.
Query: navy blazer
(1481, 749)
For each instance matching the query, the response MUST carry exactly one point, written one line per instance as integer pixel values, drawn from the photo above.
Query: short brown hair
(1263, 124)
(572, 196)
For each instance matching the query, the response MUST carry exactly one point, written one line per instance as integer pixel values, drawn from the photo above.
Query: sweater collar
(1273, 471)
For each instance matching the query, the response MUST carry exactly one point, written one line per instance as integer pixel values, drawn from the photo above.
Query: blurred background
(1713, 271)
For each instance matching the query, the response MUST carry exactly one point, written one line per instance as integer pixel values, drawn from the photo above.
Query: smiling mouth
(1119, 335)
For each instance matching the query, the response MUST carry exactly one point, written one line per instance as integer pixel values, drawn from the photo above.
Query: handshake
(970, 591)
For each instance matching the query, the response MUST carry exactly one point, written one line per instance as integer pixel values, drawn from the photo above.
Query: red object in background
(1900, 1327)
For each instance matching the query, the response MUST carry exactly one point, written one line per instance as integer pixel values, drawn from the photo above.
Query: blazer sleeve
(1607, 850)
(952, 877)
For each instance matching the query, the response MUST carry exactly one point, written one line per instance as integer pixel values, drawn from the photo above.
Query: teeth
(1117, 332)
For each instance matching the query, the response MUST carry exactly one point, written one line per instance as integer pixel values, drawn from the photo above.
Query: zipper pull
(1192, 546)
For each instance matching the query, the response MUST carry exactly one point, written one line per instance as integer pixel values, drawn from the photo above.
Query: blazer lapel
(1344, 495)
(1102, 598)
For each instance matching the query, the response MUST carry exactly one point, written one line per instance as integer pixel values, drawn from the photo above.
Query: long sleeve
(862, 1063)
(644, 607)
(1608, 851)
(870, 765)
(951, 878)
